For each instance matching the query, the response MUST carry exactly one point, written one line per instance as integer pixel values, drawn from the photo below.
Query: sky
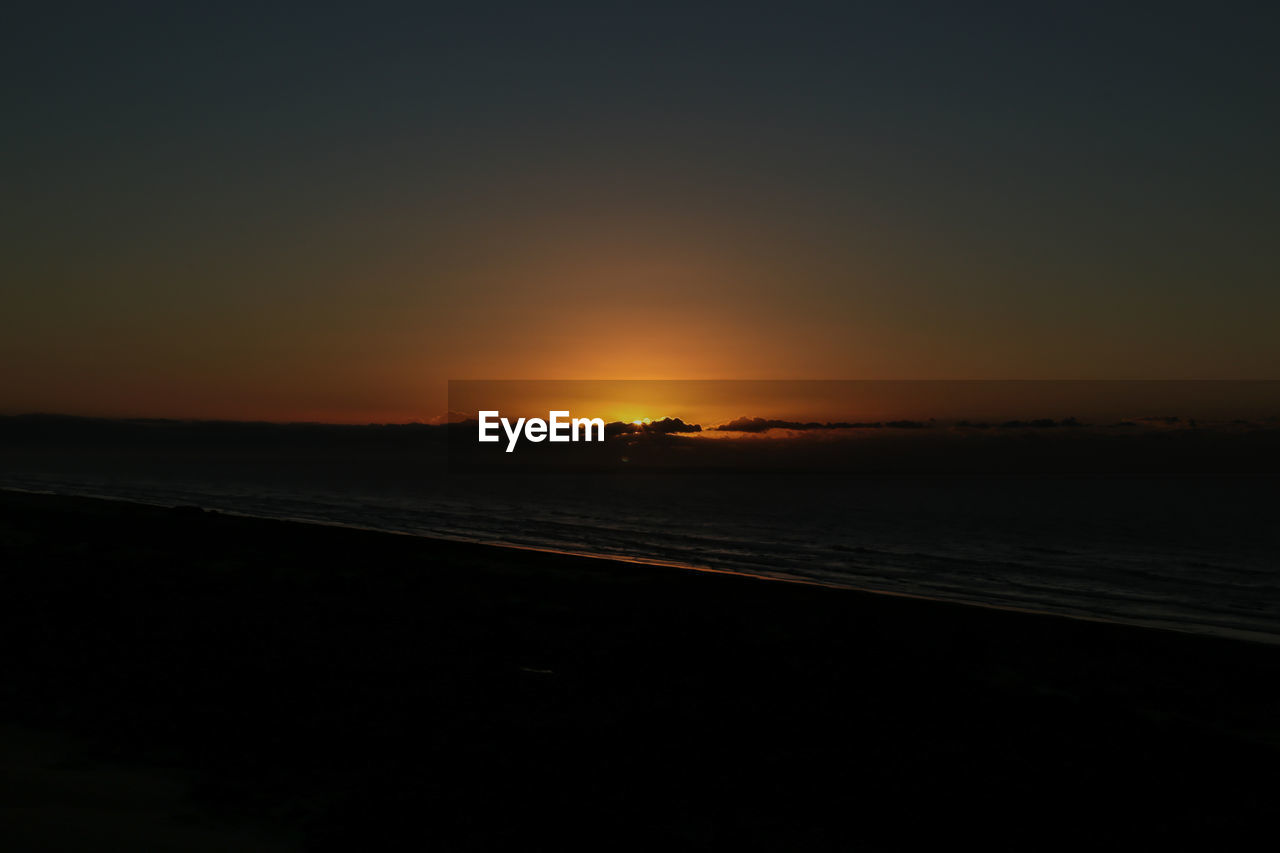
(327, 211)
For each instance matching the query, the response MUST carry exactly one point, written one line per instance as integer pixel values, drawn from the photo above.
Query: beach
(326, 688)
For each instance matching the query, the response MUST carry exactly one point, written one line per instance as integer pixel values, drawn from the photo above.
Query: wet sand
(346, 689)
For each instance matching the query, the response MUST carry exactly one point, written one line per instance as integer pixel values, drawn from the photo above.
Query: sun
(643, 422)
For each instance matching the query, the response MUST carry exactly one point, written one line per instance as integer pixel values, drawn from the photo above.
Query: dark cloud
(1038, 423)
(666, 426)
(745, 424)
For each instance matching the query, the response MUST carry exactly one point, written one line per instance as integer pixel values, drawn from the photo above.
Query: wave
(1142, 570)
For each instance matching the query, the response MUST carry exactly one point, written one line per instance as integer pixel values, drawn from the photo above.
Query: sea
(1189, 553)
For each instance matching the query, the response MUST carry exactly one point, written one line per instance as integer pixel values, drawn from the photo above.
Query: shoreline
(349, 687)
(1236, 634)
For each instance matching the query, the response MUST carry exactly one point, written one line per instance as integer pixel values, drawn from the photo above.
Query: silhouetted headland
(1166, 445)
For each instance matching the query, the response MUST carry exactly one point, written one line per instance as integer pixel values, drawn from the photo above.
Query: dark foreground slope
(359, 690)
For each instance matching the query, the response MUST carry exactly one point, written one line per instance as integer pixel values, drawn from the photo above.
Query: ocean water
(1192, 553)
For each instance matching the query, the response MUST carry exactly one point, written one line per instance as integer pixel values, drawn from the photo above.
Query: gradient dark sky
(311, 211)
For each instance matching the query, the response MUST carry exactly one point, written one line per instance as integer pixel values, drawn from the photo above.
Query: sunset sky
(324, 212)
